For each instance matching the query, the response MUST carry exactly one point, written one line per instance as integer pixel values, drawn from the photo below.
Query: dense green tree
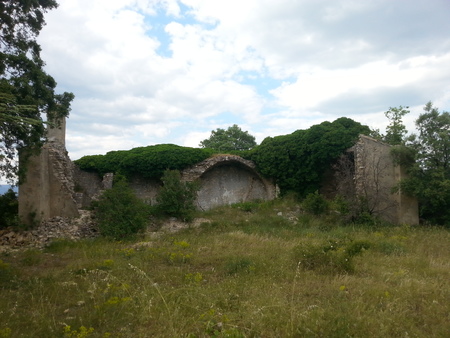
(9, 208)
(26, 90)
(234, 138)
(396, 130)
(429, 178)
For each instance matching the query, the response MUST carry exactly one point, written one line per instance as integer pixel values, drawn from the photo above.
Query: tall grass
(242, 275)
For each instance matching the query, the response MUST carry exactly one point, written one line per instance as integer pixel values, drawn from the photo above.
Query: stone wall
(48, 189)
(145, 189)
(228, 179)
(375, 176)
(223, 179)
(88, 186)
(55, 187)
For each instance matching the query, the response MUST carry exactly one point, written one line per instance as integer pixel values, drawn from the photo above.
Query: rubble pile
(47, 231)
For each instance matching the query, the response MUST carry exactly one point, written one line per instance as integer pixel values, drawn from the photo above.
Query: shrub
(176, 198)
(315, 204)
(331, 257)
(9, 208)
(119, 212)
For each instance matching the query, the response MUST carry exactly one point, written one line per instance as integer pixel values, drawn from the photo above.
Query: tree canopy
(396, 130)
(429, 176)
(26, 90)
(234, 138)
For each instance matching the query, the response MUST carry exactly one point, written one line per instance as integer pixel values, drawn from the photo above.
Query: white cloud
(168, 71)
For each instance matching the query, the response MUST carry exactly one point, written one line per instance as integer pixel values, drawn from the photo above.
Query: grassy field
(255, 271)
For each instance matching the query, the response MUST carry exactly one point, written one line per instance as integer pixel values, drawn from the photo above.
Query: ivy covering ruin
(296, 162)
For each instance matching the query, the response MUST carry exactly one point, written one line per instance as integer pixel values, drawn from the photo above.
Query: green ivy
(147, 162)
(298, 161)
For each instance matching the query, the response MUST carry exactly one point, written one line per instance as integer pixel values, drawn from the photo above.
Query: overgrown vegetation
(299, 160)
(426, 158)
(256, 270)
(176, 198)
(234, 138)
(119, 213)
(296, 161)
(429, 177)
(9, 207)
(315, 204)
(147, 162)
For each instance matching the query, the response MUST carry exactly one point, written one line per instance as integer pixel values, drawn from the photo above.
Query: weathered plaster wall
(48, 187)
(228, 179)
(223, 179)
(228, 184)
(375, 176)
(145, 189)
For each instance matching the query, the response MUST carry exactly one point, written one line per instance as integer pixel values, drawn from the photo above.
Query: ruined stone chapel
(55, 186)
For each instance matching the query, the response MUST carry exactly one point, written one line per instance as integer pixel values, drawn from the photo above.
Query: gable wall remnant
(375, 176)
(48, 189)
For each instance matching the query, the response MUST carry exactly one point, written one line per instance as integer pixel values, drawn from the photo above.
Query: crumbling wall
(54, 187)
(375, 175)
(223, 179)
(228, 179)
(145, 189)
(89, 186)
(48, 189)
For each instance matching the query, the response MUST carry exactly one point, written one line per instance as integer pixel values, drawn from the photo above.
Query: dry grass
(236, 277)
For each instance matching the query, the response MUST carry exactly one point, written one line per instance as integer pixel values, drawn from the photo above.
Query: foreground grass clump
(242, 275)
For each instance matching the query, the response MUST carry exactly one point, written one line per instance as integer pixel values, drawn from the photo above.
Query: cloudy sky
(147, 72)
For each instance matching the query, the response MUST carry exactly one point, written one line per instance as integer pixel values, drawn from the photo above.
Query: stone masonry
(55, 187)
(375, 176)
(48, 189)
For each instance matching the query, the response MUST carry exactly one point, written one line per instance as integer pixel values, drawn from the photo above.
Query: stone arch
(228, 179)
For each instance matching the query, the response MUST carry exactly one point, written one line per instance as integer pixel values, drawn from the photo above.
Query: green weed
(239, 265)
(238, 276)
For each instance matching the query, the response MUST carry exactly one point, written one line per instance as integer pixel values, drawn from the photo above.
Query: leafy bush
(331, 257)
(315, 204)
(9, 208)
(119, 212)
(176, 198)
